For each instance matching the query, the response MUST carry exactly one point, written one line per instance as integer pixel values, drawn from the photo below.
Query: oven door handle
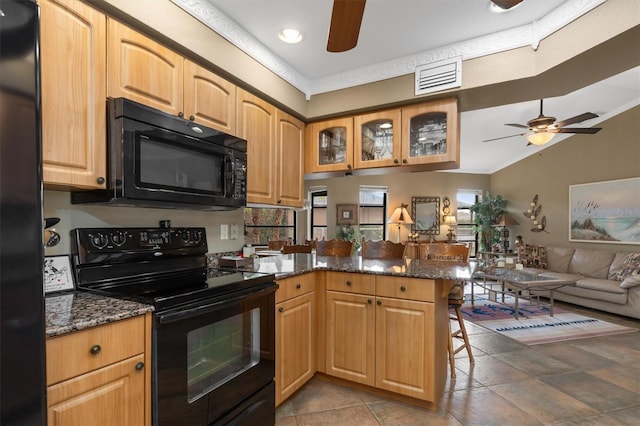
(207, 308)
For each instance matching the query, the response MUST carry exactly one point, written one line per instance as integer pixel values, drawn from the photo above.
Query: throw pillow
(534, 257)
(632, 280)
(631, 266)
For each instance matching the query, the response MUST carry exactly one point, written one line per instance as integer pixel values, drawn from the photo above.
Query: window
(264, 224)
(319, 215)
(466, 219)
(372, 211)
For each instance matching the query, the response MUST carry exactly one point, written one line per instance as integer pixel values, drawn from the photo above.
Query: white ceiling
(394, 40)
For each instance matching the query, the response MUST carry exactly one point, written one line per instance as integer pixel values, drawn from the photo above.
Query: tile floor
(594, 381)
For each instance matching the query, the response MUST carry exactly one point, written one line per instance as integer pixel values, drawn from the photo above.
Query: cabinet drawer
(294, 286)
(406, 288)
(71, 354)
(351, 283)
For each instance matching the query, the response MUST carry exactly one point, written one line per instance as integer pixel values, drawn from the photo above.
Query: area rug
(535, 325)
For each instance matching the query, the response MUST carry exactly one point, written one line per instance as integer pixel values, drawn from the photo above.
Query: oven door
(213, 357)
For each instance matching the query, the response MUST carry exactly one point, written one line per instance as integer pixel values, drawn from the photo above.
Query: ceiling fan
(346, 19)
(542, 129)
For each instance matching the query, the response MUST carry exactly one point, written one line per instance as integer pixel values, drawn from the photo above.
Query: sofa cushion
(632, 280)
(587, 293)
(608, 286)
(591, 263)
(631, 266)
(558, 258)
(616, 264)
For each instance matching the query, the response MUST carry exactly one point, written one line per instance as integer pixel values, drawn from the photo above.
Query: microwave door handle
(230, 181)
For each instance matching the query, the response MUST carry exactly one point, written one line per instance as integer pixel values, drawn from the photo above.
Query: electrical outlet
(224, 232)
(234, 231)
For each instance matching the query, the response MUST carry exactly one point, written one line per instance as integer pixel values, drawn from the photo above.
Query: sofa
(605, 280)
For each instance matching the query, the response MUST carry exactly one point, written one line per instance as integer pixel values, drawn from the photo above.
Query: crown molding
(525, 35)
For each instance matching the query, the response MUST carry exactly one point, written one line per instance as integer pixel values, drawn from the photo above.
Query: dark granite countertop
(77, 310)
(287, 265)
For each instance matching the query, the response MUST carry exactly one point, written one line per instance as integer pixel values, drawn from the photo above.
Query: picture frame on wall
(347, 214)
(58, 275)
(605, 212)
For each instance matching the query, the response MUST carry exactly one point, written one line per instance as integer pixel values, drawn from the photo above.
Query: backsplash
(58, 204)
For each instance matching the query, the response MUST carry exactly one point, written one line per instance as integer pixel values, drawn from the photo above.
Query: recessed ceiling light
(290, 35)
(494, 8)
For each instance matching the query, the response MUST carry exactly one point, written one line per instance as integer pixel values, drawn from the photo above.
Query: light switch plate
(234, 231)
(224, 232)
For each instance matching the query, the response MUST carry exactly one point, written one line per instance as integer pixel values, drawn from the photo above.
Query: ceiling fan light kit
(540, 138)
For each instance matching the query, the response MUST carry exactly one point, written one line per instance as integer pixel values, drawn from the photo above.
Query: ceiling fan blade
(577, 119)
(517, 125)
(587, 130)
(504, 137)
(346, 19)
(506, 4)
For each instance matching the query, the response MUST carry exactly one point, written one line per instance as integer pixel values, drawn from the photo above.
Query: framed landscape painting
(605, 212)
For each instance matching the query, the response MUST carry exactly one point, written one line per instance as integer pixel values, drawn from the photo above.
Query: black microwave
(165, 161)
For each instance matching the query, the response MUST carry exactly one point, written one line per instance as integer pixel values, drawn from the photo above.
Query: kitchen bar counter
(77, 310)
(287, 265)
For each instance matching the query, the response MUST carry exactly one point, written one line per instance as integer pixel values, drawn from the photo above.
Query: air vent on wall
(441, 75)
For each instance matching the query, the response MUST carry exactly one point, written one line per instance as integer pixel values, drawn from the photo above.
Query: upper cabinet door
(430, 134)
(209, 99)
(143, 70)
(290, 162)
(73, 66)
(257, 124)
(377, 139)
(330, 145)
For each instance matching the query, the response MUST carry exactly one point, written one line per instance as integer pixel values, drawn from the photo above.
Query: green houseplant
(486, 212)
(349, 233)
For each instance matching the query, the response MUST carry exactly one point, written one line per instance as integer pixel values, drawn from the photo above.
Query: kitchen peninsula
(377, 324)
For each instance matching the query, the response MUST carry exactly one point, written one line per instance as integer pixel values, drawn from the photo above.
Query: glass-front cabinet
(332, 145)
(430, 134)
(377, 139)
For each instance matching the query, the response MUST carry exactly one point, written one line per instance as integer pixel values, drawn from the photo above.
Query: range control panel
(90, 245)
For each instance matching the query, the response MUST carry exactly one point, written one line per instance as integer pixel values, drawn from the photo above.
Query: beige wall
(613, 153)
(402, 186)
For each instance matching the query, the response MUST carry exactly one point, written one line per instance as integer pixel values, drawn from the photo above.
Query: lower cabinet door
(350, 336)
(113, 395)
(405, 347)
(295, 345)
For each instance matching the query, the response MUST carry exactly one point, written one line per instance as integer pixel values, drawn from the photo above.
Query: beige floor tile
(286, 421)
(319, 395)
(358, 415)
(486, 408)
(543, 402)
(626, 376)
(628, 416)
(488, 370)
(573, 355)
(393, 413)
(533, 363)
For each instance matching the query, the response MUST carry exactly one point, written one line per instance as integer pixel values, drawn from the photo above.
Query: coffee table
(514, 283)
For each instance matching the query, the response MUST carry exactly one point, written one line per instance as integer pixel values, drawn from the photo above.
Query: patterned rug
(534, 325)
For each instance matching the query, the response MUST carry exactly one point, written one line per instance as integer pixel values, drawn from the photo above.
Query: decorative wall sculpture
(533, 213)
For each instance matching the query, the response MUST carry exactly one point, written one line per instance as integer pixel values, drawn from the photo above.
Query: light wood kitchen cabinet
(377, 139)
(431, 134)
(100, 375)
(295, 334)
(209, 99)
(275, 152)
(330, 145)
(73, 66)
(143, 70)
(381, 332)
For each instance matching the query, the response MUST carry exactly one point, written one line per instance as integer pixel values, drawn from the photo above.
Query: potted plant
(487, 211)
(348, 233)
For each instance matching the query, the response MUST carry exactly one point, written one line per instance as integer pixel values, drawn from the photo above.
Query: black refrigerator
(22, 329)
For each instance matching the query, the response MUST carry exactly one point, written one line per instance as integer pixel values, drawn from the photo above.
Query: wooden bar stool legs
(460, 333)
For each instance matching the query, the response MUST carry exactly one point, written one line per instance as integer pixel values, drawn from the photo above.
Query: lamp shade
(540, 138)
(400, 216)
(450, 220)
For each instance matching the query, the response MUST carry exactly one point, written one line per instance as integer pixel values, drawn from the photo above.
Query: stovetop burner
(164, 267)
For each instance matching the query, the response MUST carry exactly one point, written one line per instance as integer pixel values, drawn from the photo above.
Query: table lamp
(451, 221)
(400, 216)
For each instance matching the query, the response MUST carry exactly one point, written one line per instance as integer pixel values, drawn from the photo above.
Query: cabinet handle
(279, 202)
(404, 161)
(349, 283)
(378, 302)
(396, 161)
(100, 180)
(298, 285)
(403, 288)
(139, 366)
(181, 114)
(349, 166)
(280, 309)
(95, 349)
(192, 118)
(369, 301)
